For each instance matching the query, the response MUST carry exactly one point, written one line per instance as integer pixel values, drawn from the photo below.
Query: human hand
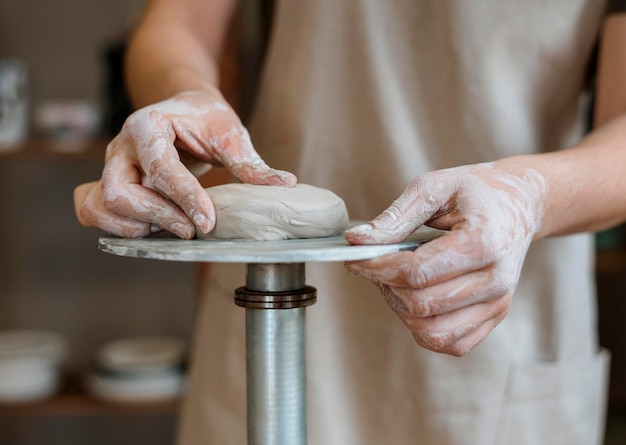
(452, 291)
(149, 178)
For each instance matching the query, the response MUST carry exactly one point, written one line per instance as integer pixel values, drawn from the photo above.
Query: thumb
(405, 215)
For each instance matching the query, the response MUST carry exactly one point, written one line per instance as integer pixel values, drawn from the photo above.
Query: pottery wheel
(275, 298)
(244, 251)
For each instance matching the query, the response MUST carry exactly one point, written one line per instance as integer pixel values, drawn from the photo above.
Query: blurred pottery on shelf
(139, 370)
(14, 104)
(67, 122)
(30, 365)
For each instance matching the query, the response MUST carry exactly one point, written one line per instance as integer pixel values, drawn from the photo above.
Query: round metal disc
(245, 251)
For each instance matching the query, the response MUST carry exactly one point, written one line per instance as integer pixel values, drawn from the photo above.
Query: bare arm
(177, 47)
(587, 184)
(452, 291)
(182, 128)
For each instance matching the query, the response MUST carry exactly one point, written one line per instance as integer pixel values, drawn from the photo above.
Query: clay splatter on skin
(162, 148)
(225, 141)
(452, 291)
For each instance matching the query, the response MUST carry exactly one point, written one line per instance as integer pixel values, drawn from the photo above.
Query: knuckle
(115, 149)
(132, 122)
(144, 123)
(157, 169)
(415, 276)
(110, 205)
(109, 197)
(86, 215)
(484, 252)
(442, 342)
(112, 198)
(420, 277)
(393, 212)
(503, 305)
(391, 298)
(458, 349)
(161, 180)
(438, 340)
(417, 183)
(110, 150)
(421, 307)
(137, 117)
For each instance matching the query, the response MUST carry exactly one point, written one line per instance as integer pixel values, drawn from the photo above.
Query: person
(463, 116)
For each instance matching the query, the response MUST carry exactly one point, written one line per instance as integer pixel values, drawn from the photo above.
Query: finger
(231, 147)
(121, 226)
(466, 290)
(149, 206)
(466, 343)
(459, 331)
(416, 205)
(446, 332)
(89, 213)
(237, 153)
(80, 196)
(259, 173)
(453, 254)
(169, 176)
(122, 195)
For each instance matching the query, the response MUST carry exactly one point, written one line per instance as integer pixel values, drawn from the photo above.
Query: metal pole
(275, 298)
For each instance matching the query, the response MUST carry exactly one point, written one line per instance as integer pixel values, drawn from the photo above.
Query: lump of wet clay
(265, 212)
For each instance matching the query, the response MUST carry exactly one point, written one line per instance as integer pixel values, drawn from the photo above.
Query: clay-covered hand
(452, 291)
(149, 181)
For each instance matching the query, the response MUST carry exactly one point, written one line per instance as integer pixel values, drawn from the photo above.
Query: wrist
(171, 83)
(530, 183)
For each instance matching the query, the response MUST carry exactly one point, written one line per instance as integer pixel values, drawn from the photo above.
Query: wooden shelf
(62, 149)
(73, 401)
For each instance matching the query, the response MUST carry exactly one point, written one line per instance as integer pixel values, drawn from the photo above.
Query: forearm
(585, 186)
(610, 95)
(176, 47)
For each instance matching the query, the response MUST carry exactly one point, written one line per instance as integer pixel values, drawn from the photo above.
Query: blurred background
(53, 278)
(64, 305)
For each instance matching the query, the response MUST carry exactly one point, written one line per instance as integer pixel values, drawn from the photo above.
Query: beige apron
(360, 97)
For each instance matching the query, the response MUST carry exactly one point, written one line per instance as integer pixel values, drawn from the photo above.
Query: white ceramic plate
(151, 388)
(46, 346)
(142, 354)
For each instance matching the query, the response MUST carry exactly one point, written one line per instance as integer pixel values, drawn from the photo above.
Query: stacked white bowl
(139, 370)
(30, 364)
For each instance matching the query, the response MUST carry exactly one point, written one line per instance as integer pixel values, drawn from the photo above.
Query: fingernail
(202, 222)
(290, 179)
(283, 178)
(154, 228)
(183, 230)
(361, 229)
